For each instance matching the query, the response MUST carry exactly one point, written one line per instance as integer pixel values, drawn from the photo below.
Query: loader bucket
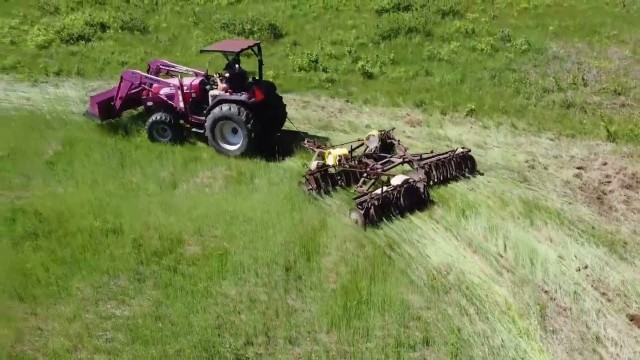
(102, 105)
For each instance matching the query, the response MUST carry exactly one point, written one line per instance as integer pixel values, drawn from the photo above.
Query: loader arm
(164, 67)
(128, 94)
(132, 82)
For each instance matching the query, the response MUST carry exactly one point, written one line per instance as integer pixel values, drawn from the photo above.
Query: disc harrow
(338, 167)
(328, 178)
(370, 165)
(371, 207)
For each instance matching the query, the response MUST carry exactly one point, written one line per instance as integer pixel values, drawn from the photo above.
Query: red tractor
(233, 121)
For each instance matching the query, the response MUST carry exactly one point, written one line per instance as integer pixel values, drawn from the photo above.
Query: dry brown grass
(577, 75)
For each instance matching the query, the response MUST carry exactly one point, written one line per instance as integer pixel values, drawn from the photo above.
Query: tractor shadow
(284, 145)
(129, 125)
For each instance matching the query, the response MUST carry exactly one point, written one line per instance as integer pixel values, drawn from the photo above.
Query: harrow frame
(381, 193)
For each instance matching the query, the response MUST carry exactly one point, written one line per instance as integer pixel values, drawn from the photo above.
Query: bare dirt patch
(566, 332)
(611, 187)
(634, 319)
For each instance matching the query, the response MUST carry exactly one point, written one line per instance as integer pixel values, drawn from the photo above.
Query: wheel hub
(162, 132)
(228, 135)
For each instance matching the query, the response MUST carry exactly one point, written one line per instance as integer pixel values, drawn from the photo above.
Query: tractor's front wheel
(162, 128)
(227, 129)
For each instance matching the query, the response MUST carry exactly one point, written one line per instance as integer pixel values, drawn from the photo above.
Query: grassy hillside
(113, 246)
(569, 67)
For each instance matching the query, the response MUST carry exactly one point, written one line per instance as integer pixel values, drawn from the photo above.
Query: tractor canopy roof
(235, 46)
(232, 48)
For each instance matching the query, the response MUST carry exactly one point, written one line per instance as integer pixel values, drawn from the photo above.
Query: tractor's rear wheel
(162, 128)
(273, 118)
(227, 129)
(278, 114)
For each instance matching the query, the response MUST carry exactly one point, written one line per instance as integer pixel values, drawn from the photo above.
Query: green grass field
(116, 247)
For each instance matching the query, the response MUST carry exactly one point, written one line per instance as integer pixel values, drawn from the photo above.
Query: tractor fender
(223, 99)
(266, 86)
(238, 100)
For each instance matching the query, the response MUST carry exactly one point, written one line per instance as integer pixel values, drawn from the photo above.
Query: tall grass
(119, 247)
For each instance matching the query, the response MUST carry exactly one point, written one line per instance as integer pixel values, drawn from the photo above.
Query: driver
(232, 67)
(222, 87)
(236, 75)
